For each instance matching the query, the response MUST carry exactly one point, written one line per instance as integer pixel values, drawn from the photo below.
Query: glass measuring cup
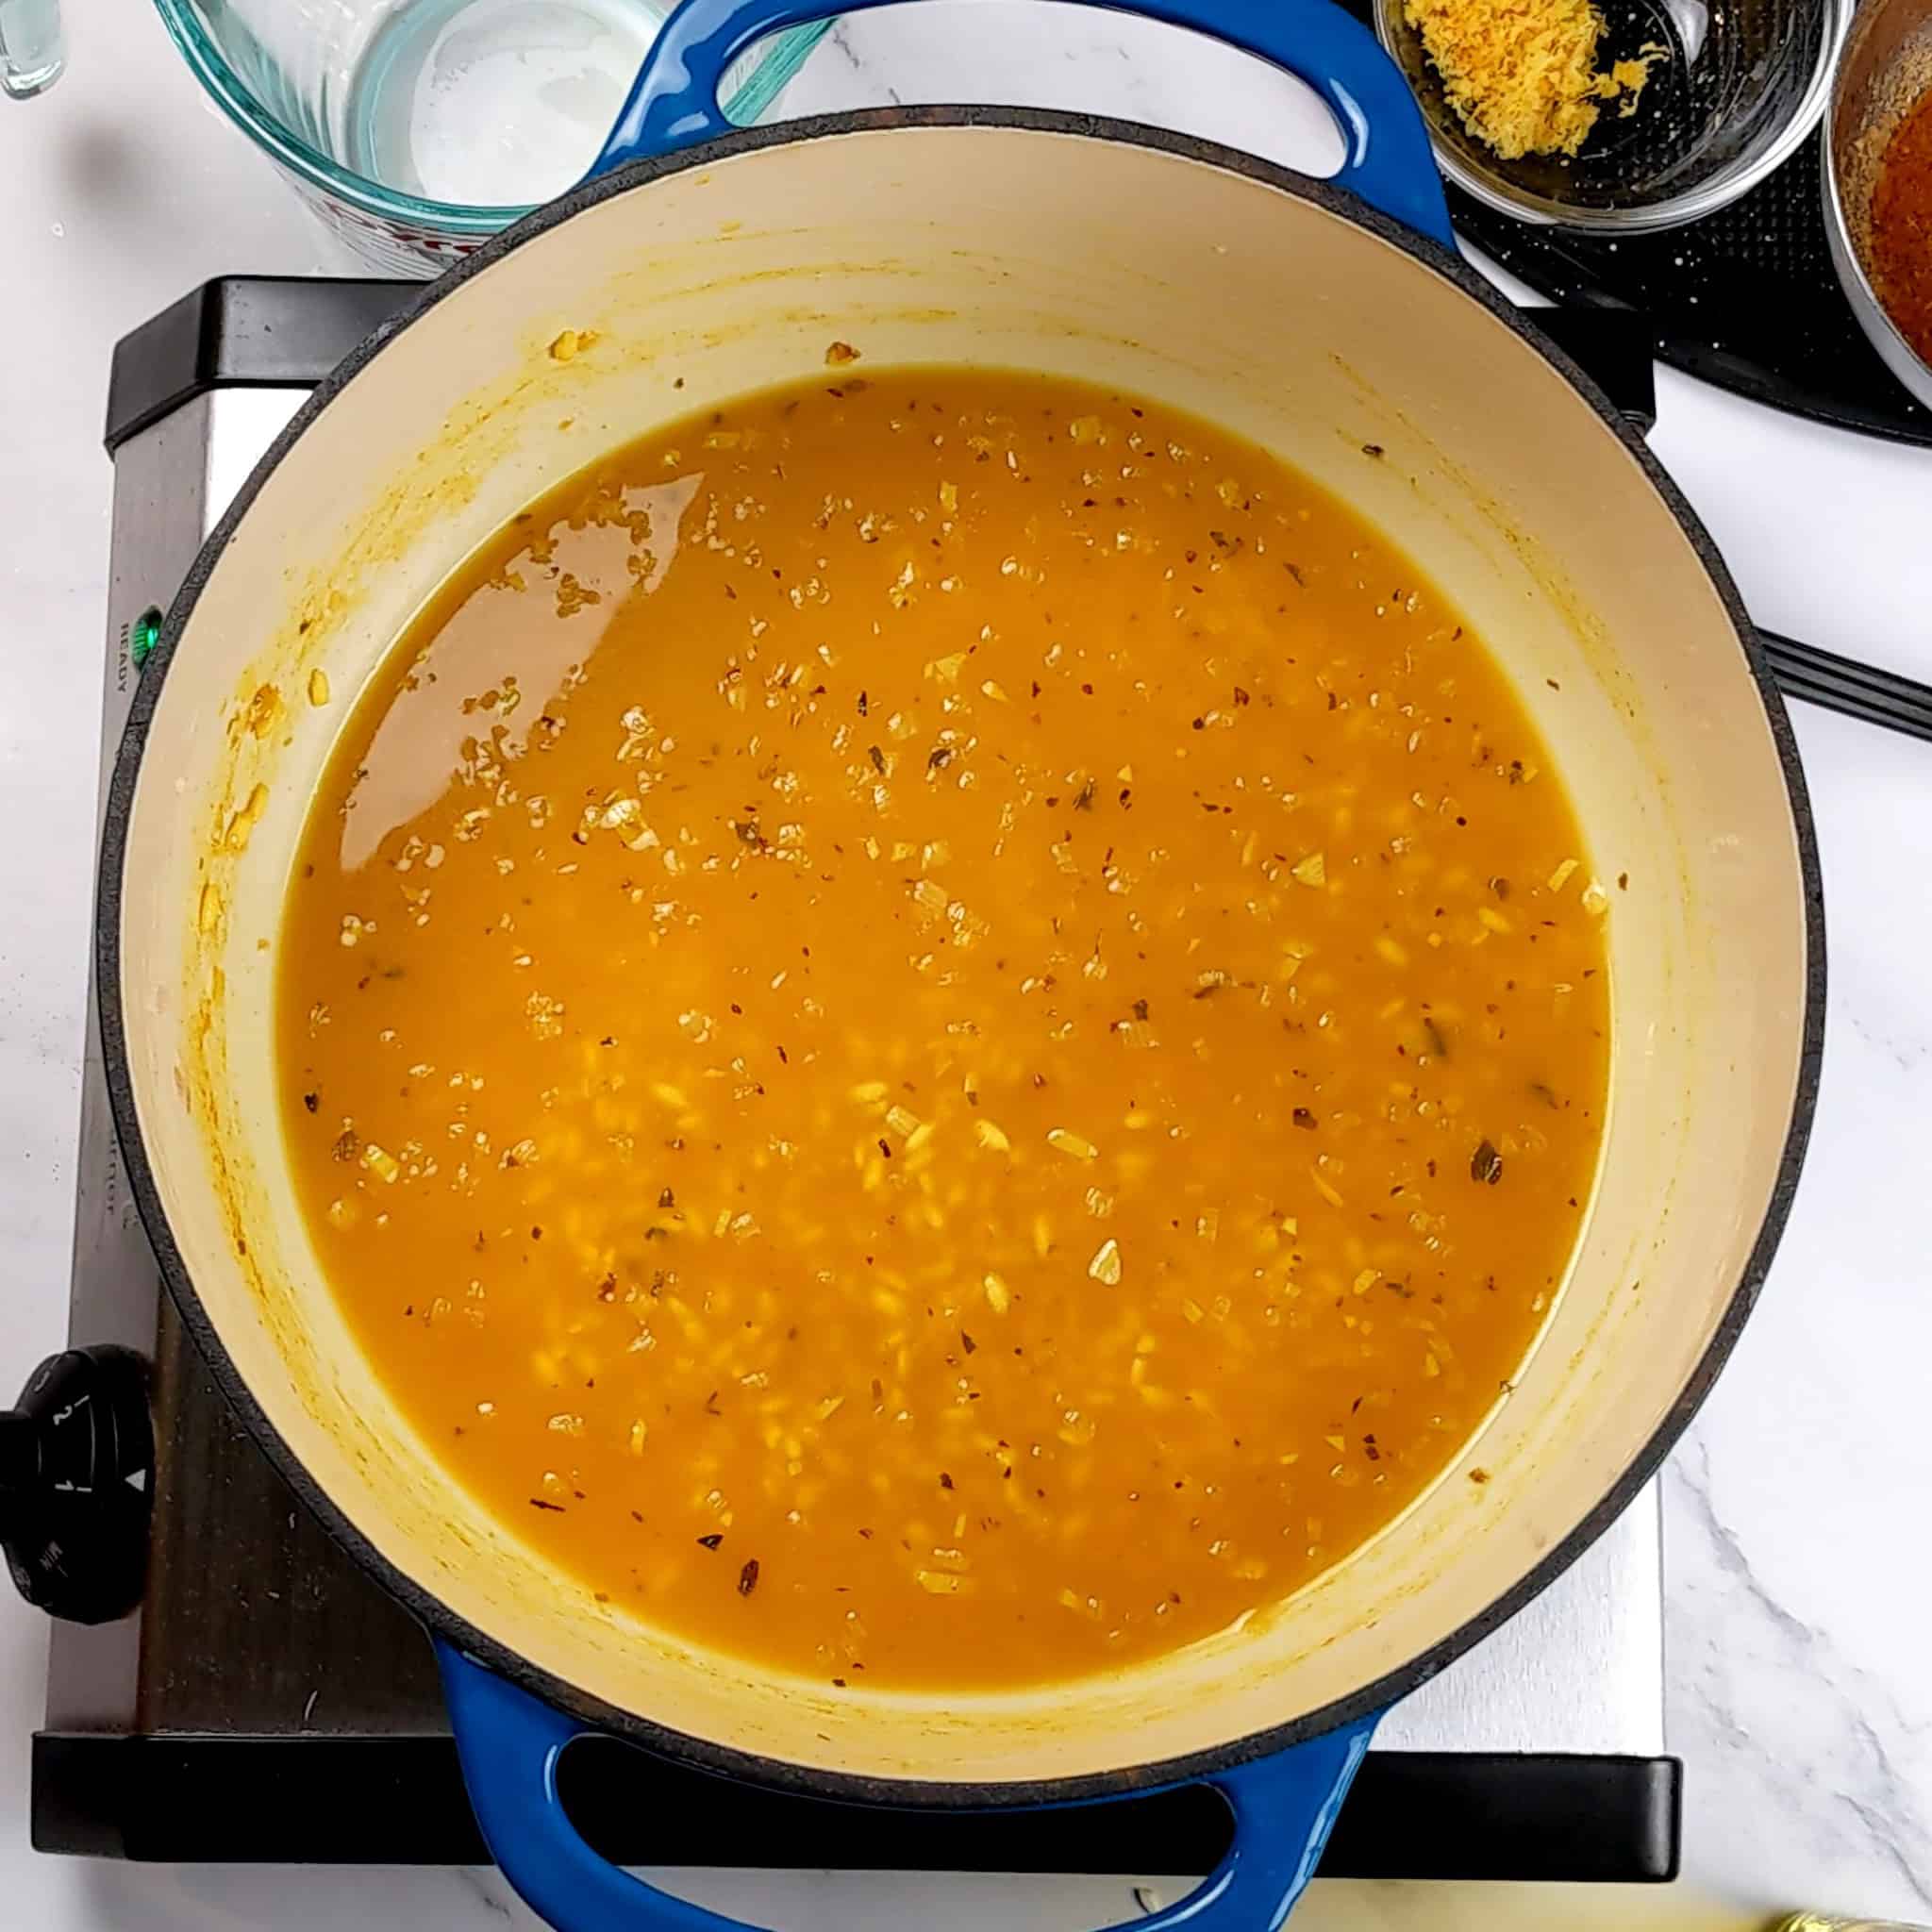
(32, 50)
(417, 128)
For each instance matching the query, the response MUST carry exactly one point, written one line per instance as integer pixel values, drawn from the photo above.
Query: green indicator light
(144, 635)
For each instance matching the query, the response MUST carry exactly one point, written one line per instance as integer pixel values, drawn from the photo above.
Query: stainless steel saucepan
(1885, 70)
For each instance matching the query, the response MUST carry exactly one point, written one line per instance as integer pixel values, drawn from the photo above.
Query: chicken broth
(944, 1031)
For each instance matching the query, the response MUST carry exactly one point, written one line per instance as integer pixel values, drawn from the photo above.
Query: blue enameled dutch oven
(1331, 322)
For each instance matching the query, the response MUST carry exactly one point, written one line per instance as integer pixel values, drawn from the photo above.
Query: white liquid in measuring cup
(494, 103)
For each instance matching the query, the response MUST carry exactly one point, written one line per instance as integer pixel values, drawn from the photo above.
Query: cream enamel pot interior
(1292, 312)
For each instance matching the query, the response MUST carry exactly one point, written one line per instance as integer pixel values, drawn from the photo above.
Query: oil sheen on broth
(943, 1030)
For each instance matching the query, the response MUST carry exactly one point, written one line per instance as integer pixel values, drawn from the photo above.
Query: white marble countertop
(1798, 1557)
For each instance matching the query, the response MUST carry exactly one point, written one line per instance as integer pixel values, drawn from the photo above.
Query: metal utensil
(1884, 71)
(1884, 698)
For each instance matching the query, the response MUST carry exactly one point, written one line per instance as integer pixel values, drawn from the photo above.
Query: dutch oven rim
(728, 1761)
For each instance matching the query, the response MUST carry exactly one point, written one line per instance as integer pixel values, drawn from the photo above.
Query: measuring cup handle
(1387, 160)
(510, 1742)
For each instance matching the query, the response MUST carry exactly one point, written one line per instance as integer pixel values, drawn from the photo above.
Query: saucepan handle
(508, 1742)
(1387, 162)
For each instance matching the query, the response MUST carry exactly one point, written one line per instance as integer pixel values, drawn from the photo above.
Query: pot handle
(674, 102)
(508, 1742)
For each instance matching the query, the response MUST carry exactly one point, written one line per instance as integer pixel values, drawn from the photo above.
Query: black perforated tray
(1746, 298)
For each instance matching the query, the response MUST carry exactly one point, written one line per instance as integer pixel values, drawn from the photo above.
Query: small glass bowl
(1744, 83)
(415, 129)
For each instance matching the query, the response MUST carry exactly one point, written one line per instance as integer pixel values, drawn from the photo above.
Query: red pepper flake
(748, 1576)
(711, 1542)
